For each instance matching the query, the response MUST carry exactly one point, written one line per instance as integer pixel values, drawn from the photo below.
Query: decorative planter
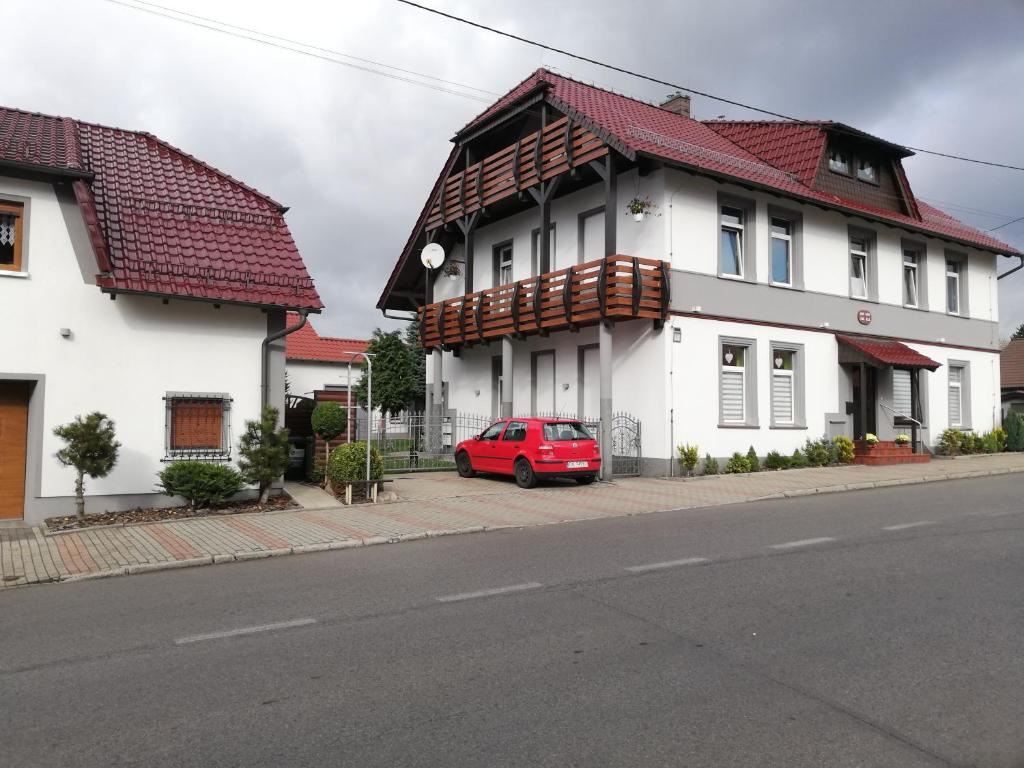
(638, 216)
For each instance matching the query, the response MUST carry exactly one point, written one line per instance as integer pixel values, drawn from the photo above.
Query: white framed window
(910, 278)
(867, 171)
(733, 384)
(731, 242)
(839, 161)
(783, 387)
(956, 395)
(197, 425)
(782, 251)
(503, 264)
(858, 267)
(952, 287)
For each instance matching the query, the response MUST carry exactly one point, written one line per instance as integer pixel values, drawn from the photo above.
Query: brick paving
(427, 505)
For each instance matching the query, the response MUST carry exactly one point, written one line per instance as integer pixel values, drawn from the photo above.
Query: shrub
(798, 460)
(348, 464)
(989, 443)
(1013, 425)
(999, 435)
(710, 465)
(951, 441)
(753, 463)
(871, 439)
(201, 483)
(264, 449)
(737, 464)
(89, 447)
(316, 472)
(775, 460)
(843, 449)
(817, 452)
(688, 456)
(328, 421)
(902, 439)
(969, 443)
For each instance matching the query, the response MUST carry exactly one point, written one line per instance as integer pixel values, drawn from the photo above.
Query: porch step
(906, 458)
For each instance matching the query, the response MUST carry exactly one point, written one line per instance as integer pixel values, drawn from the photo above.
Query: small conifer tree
(264, 449)
(90, 448)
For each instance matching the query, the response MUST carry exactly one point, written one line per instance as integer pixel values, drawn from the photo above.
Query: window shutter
(782, 398)
(732, 396)
(955, 396)
(901, 393)
(196, 424)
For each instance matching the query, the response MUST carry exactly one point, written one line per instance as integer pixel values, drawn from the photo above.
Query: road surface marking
(488, 592)
(244, 631)
(802, 543)
(904, 526)
(666, 564)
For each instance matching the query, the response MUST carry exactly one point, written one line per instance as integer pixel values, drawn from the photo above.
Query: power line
(1019, 218)
(676, 86)
(247, 34)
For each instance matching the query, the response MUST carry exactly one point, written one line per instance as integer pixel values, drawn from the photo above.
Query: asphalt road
(877, 628)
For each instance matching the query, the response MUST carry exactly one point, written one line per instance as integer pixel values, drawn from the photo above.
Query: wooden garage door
(13, 439)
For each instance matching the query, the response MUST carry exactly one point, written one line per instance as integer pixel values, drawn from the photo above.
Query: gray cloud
(355, 154)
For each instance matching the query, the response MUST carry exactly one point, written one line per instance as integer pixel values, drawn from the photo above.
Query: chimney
(677, 103)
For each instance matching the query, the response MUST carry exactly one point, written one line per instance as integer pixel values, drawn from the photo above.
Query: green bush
(798, 460)
(328, 420)
(1013, 424)
(264, 451)
(817, 452)
(999, 435)
(989, 443)
(752, 461)
(737, 464)
(843, 449)
(951, 442)
(89, 447)
(316, 472)
(775, 460)
(969, 443)
(688, 456)
(202, 483)
(348, 464)
(710, 465)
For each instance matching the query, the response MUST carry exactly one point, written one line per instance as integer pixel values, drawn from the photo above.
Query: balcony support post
(467, 225)
(506, 377)
(604, 327)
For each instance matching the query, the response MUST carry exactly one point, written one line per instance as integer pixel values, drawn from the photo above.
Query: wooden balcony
(615, 288)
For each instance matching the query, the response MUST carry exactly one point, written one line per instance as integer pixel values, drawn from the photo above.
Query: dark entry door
(864, 399)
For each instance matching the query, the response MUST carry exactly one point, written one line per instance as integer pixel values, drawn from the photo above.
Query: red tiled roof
(307, 344)
(792, 147)
(633, 126)
(888, 352)
(162, 221)
(1011, 365)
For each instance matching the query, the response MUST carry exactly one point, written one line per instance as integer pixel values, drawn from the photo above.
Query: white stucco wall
(305, 377)
(121, 358)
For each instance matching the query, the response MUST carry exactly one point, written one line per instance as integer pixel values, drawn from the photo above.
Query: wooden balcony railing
(615, 288)
(562, 145)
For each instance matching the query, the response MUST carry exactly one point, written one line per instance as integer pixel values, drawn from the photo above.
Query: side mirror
(476, 437)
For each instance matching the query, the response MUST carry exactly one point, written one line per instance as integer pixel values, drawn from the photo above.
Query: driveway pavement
(432, 504)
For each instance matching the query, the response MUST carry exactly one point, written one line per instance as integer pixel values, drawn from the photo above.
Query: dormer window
(867, 171)
(838, 161)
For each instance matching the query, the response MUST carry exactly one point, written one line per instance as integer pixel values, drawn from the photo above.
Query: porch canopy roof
(881, 352)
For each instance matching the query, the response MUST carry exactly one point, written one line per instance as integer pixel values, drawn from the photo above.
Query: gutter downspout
(265, 354)
(1007, 274)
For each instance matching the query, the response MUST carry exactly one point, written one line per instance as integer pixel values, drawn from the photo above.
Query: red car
(531, 449)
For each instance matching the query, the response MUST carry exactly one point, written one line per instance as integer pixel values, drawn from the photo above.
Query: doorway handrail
(896, 413)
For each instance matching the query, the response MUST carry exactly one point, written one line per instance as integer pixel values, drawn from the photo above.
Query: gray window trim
(799, 379)
(748, 243)
(966, 418)
(534, 357)
(796, 246)
(496, 250)
(749, 382)
(580, 370)
(960, 258)
(920, 248)
(580, 219)
(535, 249)
(26, 228)
(224, 453)
(870, 238)
(496, 369)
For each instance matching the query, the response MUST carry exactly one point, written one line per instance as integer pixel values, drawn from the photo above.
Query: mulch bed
(154, 514)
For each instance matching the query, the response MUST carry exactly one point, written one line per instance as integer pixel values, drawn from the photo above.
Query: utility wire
(1019, 218)
(676, 86)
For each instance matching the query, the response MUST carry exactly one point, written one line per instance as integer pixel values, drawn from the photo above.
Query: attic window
(867, 171)
(838, 161)
(11, 236)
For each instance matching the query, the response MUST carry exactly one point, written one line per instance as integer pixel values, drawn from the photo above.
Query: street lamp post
(368, 357)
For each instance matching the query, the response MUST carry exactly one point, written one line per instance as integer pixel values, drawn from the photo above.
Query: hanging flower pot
(639, 208)
(452, 271)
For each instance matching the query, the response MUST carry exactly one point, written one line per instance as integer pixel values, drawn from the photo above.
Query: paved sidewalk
(430, 505)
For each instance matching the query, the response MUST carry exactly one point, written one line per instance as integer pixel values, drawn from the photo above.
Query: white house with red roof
(144, 284)
(725, 284)
(316, 363)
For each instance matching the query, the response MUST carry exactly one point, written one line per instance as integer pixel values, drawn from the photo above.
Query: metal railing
(917, 425)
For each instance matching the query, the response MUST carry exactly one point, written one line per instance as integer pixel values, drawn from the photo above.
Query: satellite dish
(432, 256)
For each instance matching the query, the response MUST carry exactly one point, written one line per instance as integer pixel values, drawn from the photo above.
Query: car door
(510, 445)
(485, 449)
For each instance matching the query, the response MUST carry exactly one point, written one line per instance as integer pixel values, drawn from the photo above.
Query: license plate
(576, 464)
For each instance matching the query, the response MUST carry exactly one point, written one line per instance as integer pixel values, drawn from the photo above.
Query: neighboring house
(137, 281)
(786, 284)
(316, 362)
(1011, 376)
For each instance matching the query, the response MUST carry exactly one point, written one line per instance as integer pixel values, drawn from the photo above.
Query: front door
(13, 447)
(870, 406)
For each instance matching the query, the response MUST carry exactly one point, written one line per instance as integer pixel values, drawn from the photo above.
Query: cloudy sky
(354, 153)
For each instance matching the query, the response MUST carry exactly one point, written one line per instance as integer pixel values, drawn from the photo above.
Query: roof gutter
(1010, 272)
(265, 356)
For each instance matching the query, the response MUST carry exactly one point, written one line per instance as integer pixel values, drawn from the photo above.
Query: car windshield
(566, 430)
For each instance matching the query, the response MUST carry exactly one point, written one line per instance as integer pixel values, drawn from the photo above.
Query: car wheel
(525, 476)
(586, 479)
(464, 465)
